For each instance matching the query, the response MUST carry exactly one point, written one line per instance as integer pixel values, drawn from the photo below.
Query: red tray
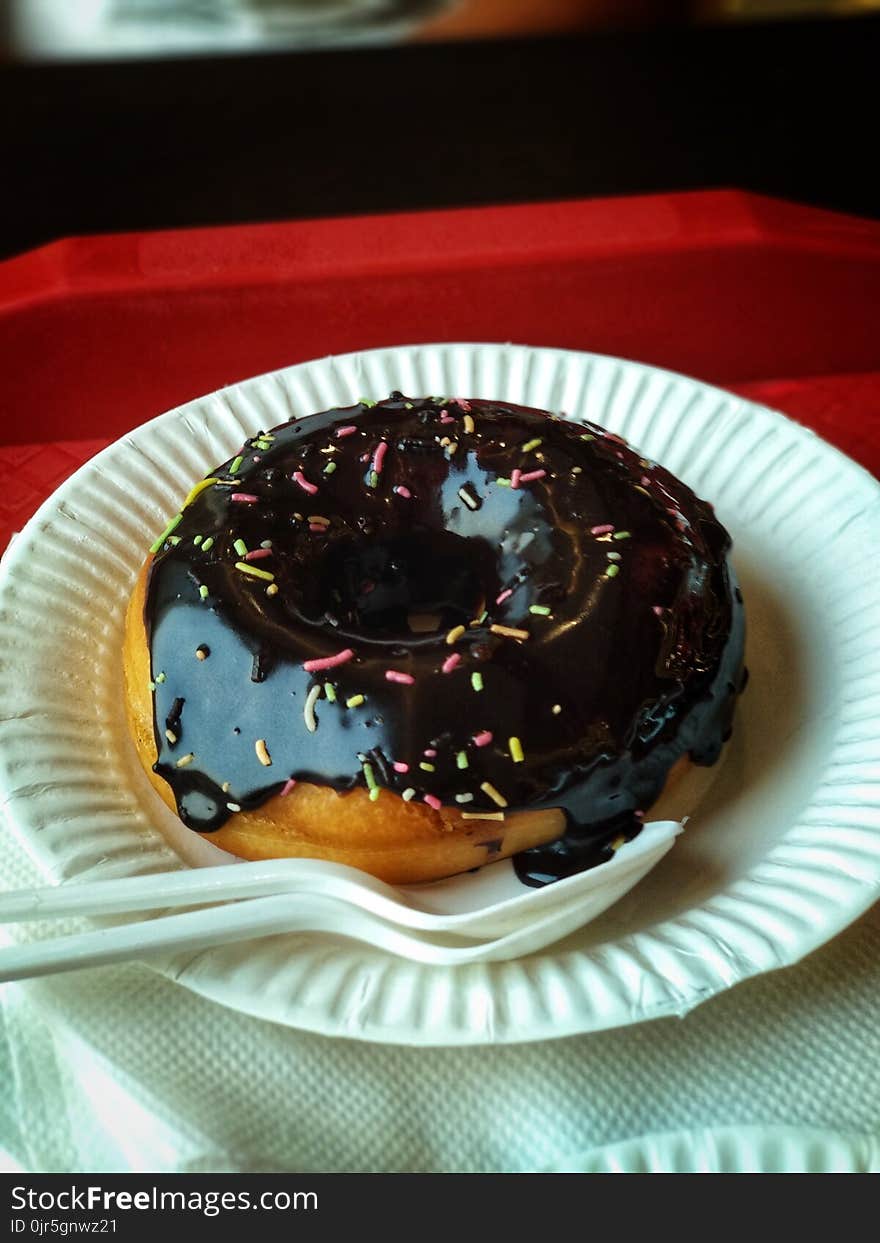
(776, 301)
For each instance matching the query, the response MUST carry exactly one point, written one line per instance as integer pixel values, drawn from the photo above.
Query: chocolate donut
(471, 605)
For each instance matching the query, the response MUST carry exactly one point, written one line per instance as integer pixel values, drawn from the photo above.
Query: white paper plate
(733, 1150)
(780, 854)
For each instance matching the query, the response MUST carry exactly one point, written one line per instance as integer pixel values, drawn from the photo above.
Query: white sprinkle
(171, 736)
(464, 798)
(262, 752)
(470, 501)
(184, 760)
(233, 807)
(408, 793)
(309, 709)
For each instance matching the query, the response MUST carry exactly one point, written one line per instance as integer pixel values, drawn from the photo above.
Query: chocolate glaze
(630, 670)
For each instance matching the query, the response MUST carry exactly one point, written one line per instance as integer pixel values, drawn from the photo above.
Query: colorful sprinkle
(482, 815)
(405, 679)
(658, 609)
(461, 759)
(309, 717)
(426, 767)
(330, 692)
(329, 468)
(171, 736)
(494, 795)
(532, 476)
(262, 754)
(184, 760)
(355, 701)
(605, 528)
(464, 798)
(433, 801)
(477, 680)
(454, 634)
(233, 806)
(556, 709)
(532, 444)
(246, 498)
(516, 751)
(400, 767)
(272, 589)
(408, 793)
(403, 491)
(299, 478)
(160, 678)
(254, 571)
(328, 662)
(236, 464)
(197, 539)
(203, 591)
(467, 495)
(373, 480)
(502, 482)
(541, 610)
(509, 632)
(612, 571)
(345, 431)
(469, 424)
(450, 662)
(203, 652)
(288, 786)
(429, 753)
(240, 547)
(175, 522)
(208, 544)
(613, 556)
(515, 476)
(257, 553)
(505, 595)
(622, 535)
(483, 738)
(197, 490)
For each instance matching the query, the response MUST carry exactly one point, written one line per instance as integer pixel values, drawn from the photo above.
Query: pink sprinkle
(402, 491)
(604, 529)
(532, 476)
(644, 481)
(483, 739)
(256, 457)
(405, 679)
(256, 554)
(430, 752)
(433, 801)
(328, 662)
(288, 787)
(400, 767)
(317, 526)
(450, 662)
(379, 456)
(659, 610)
(345, 431)
(299, 477)
(505, 595)
(247, 497)
(446, 417)
(515, 476)
(464, 405)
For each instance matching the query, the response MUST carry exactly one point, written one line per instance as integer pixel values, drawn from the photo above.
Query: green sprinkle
(502, 482)
(163, 537)
(621, 535)
(160, 677)
(365, 401)
(369, 777)
(533, 444)
(329, 468)
(541, 609)
(330, 691)
(516, 751)
(208, 544)
(482, 617)
(174, 541)
(374, 479)
(240, 547)
(203, 591)
(477, 681)
(247, 568)
(588, 437)
(197, 539)
(236, 465)
(263, 444)
(461, 759)
(613, 570)
(429, 768)
(355, 701)
(152, 685)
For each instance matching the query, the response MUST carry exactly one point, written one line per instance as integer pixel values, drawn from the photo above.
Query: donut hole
(422, 582)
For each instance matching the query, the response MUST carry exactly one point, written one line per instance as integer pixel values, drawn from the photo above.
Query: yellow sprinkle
(516, 751)
(481, 815)
(247, 568)
(533, 444)
(262, 754)
(454, 634)
(509, 633)
(469, 423)
(494, 795)
(184, 760)
(272, 589)
(619, 841)
(355, 701)
(199, 488)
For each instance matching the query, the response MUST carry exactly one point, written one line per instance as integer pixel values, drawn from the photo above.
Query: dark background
(788, 109)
